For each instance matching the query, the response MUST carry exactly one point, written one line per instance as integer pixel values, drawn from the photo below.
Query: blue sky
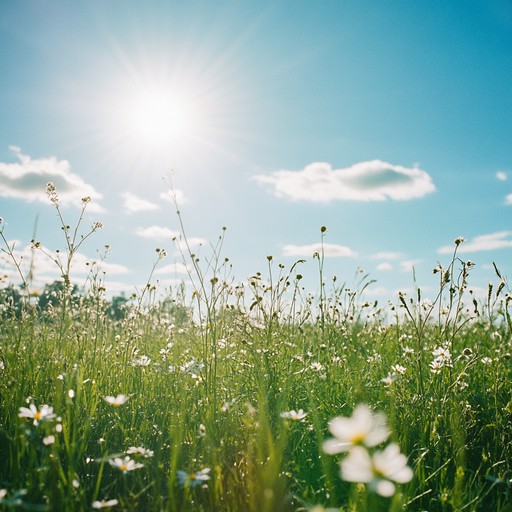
(388, 122)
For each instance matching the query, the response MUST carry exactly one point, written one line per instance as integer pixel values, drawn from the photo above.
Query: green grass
(206, 390)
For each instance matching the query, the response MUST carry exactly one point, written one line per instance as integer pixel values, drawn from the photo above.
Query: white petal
(334, 446)
(357, 466)
(385, 488)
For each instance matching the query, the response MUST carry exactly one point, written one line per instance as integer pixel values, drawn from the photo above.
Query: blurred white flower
(194, 479)
(48, 440)
(125, 464)
(379, 471)
(363, 427)
(139, 450)
(104, 504)
(141, 361)
(116, 401)
(45, 413)
(293, 415)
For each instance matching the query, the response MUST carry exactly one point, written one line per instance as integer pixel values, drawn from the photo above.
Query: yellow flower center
(37, 415)
(123, 467)
(358, 438)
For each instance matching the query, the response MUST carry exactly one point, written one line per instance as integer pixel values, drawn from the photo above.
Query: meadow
(254, 396)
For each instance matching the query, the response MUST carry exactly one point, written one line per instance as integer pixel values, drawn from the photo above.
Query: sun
(162, 115)
(158, 117)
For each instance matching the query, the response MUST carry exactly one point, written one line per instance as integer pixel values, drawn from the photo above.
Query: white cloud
(178, 194)
(82, 265)
(365, 181)
(508, 199)
(27, 180)
(409, 265)
(45, 270)
(330, 250)
(385, 266)
(133, 203)
(501, 175)
(172, 268)
(489, 242)
(164, 233)
(193, 241)
(157, 233)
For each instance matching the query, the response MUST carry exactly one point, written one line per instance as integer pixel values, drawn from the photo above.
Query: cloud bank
(489, 242)
(133, 203)
(330, 250)
(157, 233)
(163, 233)
(365, 181)
(27, 180)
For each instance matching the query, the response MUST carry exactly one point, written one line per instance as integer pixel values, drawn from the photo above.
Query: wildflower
(48, 440)
(363, 427)
(398, 369)
(316, 366)
(140, 451)
(293, 415)
(142, 361)
(125, 464)
(3, 493)
(194, 479)
(104, 504)
(436, 366)
(486, 360)
(117, 400)
(378, 471)
(71, 393)
(45, 413)
(442, 352)
(387, 381)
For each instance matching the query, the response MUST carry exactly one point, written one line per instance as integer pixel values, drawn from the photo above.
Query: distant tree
(118, 307)
(11, 302)
(53, 294)
(175, 311)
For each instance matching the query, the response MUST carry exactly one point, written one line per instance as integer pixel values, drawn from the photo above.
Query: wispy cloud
(178, 194)
(157, 233)
(164, 233)
(384, 266)
(489, 242)
(409, 265)
(508, 199)
(172, 268)
(501, 175)
(132, 203)
(365, 181)
(39, 265)
(329, 250)
(27, 178)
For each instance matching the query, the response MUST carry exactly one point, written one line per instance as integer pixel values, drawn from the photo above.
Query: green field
(218, 396)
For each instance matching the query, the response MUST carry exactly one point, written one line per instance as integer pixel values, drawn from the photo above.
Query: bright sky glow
(159, 118)
(387, 122)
